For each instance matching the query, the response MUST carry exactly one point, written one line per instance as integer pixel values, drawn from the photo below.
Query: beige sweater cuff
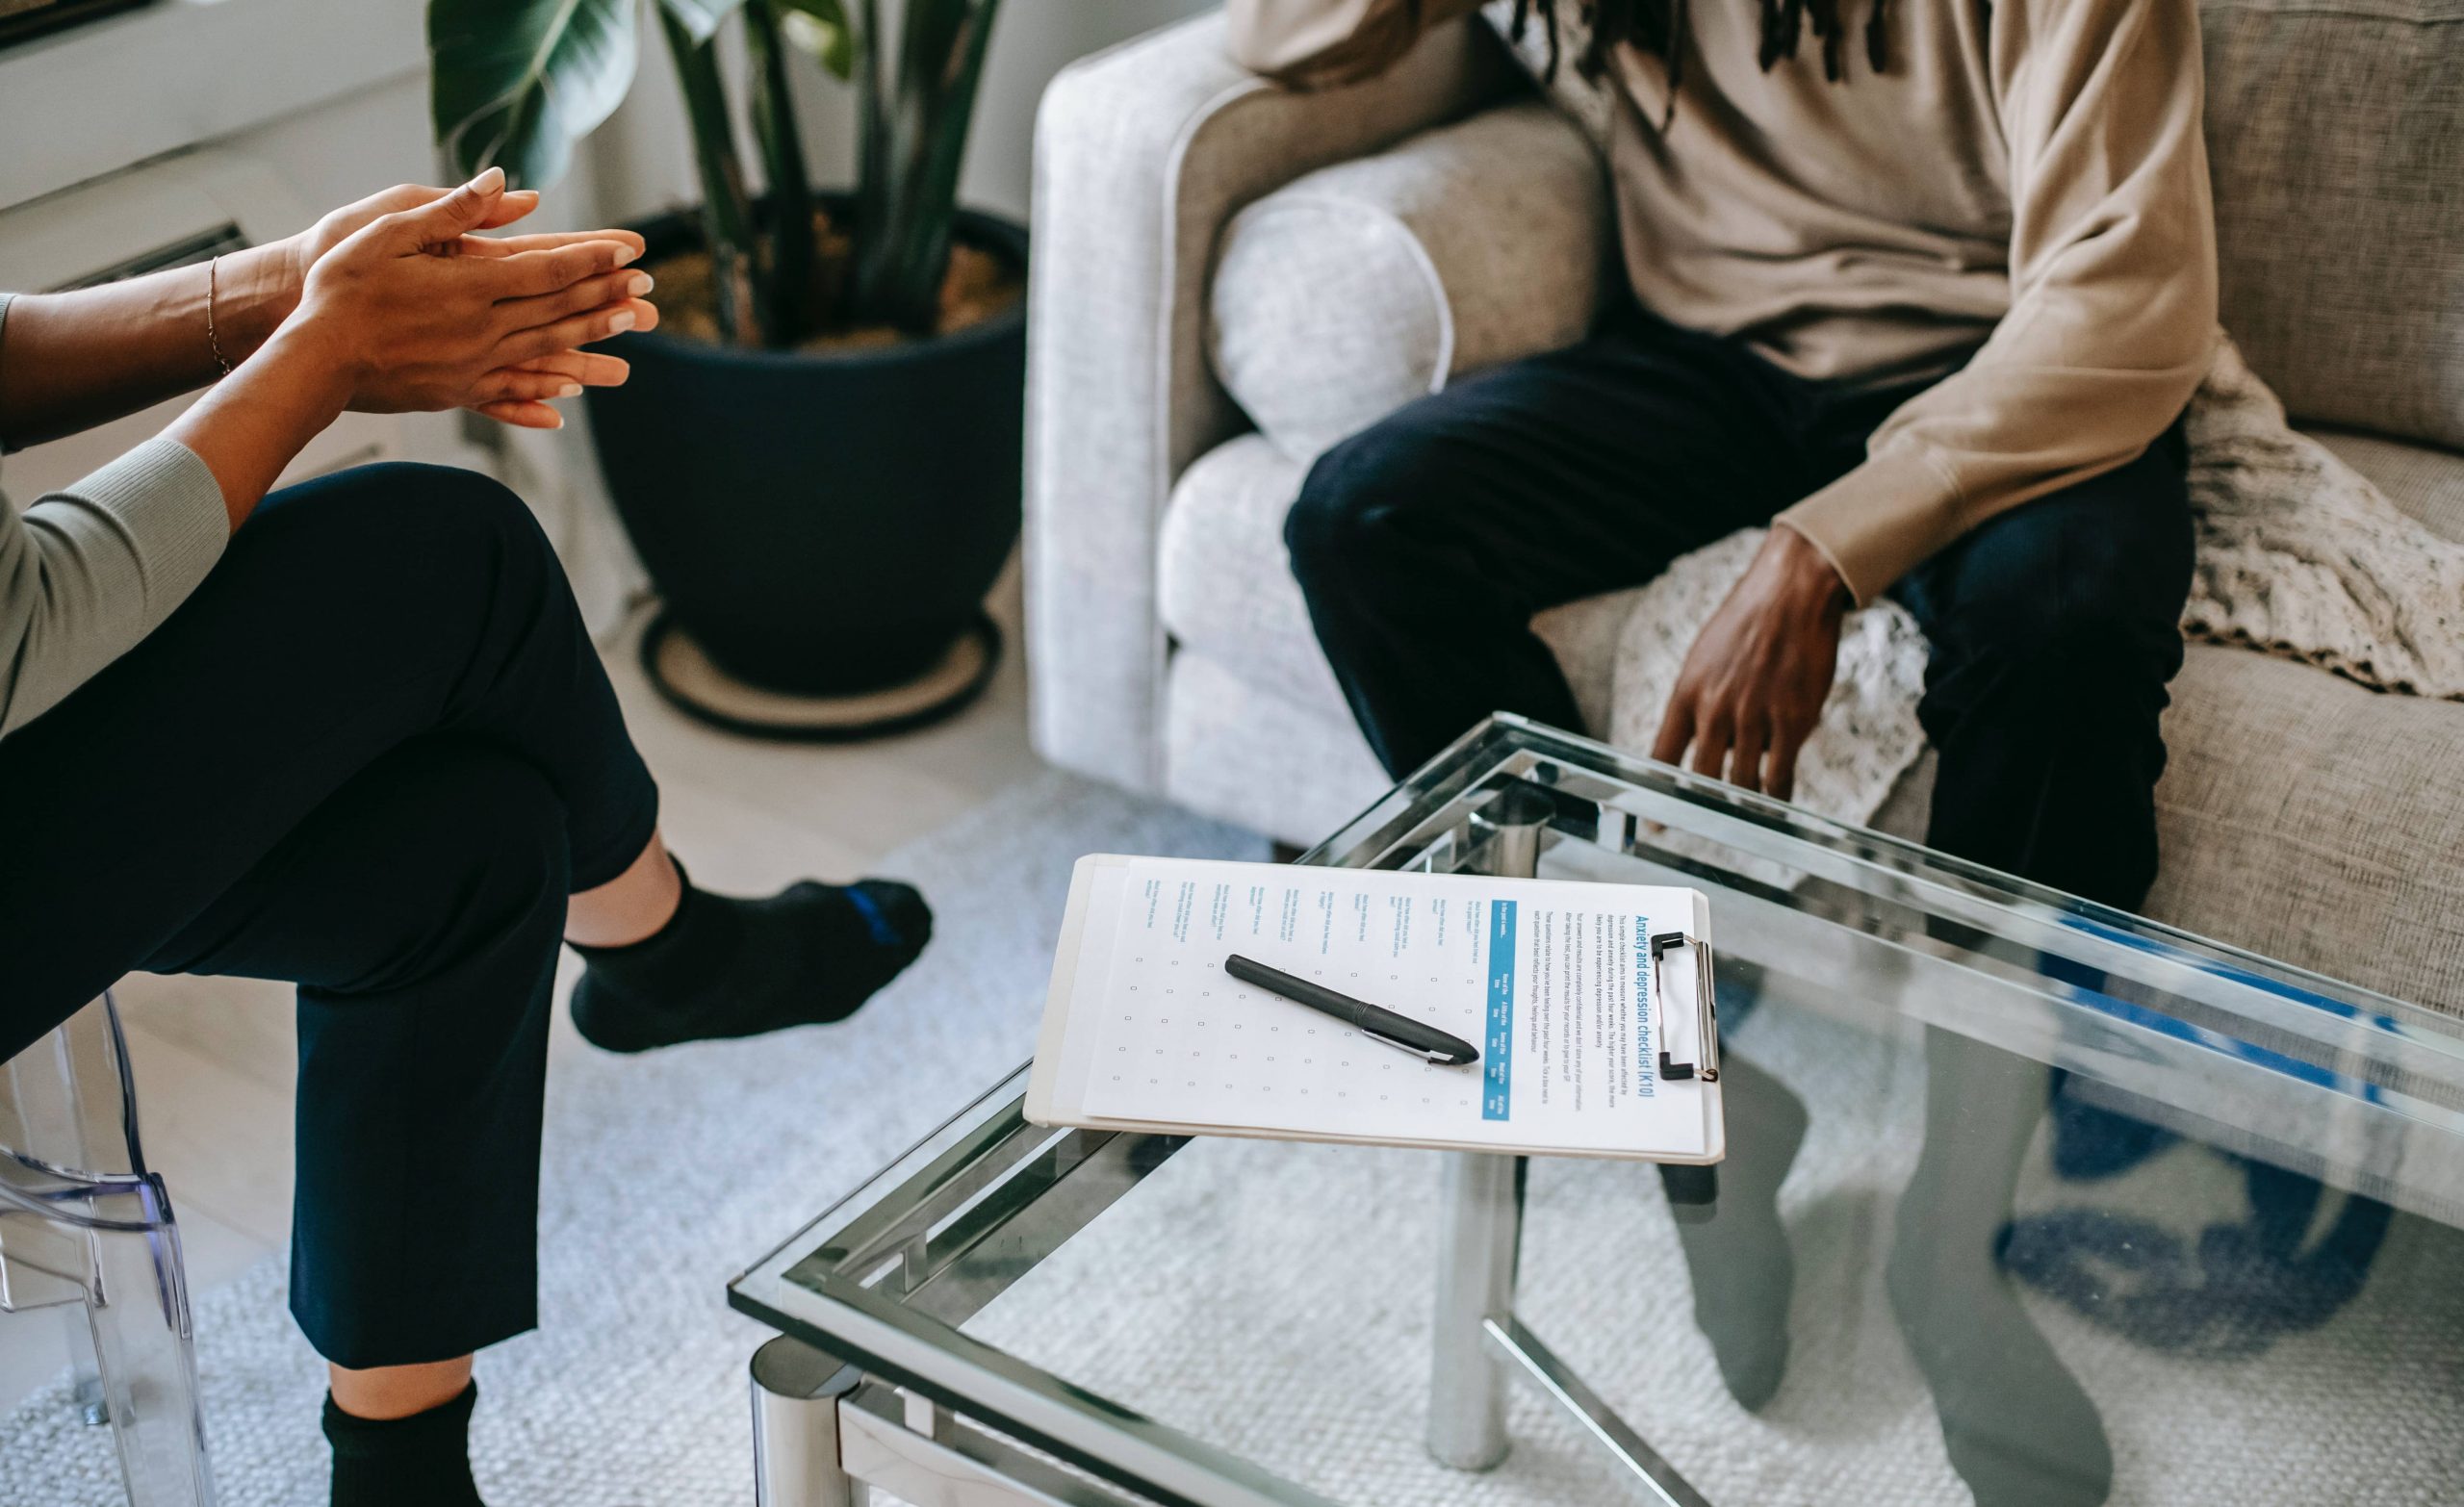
(1877, 523)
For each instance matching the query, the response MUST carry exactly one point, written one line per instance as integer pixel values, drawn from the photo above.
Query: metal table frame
(872, 1383)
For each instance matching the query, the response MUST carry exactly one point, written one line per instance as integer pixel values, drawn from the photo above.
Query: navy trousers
(1426, 543)
(372, 756)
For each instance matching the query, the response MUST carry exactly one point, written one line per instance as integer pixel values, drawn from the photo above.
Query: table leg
(1481, 1235)
(1482, 1227)
(795, 1427)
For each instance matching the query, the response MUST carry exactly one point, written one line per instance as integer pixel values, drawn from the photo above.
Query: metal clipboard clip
(1705, 1013)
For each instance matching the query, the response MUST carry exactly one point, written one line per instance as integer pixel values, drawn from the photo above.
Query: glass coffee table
(2027, 1201)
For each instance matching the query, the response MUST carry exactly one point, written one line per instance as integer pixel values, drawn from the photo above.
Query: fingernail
(569, 390)
(638, 283)
(624, 321)
(624, 253)
(490, 181)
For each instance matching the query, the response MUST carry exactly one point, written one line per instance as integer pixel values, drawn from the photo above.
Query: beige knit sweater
(2026, 180)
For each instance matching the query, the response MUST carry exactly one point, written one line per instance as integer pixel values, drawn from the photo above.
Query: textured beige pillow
(1348, 292)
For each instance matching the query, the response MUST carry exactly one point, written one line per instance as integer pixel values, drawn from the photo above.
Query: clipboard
(1704, 1005)
(1681, 1060)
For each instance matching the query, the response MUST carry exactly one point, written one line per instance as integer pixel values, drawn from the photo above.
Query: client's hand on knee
(1754, 683)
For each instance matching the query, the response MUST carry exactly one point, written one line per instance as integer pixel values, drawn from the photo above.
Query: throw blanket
(2299, 555)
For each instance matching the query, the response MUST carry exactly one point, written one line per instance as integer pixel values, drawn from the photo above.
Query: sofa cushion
(2310, 819)
(1223, 579)
(2336, 137)
(2427, 484)
(2303, 817)
(1296, 771)
(1357, 288)
(1224, 587)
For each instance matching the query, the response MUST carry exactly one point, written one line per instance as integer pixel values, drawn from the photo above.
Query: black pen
(1399, 1032)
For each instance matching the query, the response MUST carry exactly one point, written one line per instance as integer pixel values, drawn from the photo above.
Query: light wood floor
(215, 1057)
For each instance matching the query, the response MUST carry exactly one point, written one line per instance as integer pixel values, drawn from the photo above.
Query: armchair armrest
(1143, 153)
(1348, 292)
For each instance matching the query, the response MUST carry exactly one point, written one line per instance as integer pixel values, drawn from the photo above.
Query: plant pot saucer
(694, 685)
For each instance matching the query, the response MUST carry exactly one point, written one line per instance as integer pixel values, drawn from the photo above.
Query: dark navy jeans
(372, 756)
(1426, 543)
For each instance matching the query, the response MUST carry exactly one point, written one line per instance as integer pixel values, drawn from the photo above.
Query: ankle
(418, 1460)
(633, 907)
(384, 1392)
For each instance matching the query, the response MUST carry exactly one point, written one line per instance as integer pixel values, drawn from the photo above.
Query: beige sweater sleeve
(1315, 44)
(89, 569)
(2112, 297)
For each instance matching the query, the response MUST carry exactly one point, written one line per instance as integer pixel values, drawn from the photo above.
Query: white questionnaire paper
(1551, 980)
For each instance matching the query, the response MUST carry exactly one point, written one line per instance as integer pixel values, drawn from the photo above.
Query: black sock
(421, 1461)
(727, 967)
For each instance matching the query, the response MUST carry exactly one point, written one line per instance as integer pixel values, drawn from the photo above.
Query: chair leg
(85, 1371)
(145, 1349)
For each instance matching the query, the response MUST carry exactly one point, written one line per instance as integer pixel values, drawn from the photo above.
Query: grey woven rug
(1274, 1299)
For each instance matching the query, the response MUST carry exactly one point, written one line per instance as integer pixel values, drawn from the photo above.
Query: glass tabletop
(2026, 1201)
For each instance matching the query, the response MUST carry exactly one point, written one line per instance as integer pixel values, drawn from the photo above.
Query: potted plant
(817, 456)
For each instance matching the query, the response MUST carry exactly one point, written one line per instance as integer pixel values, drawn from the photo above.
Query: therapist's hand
(1754, 683)
(405, 328)
(296, 256)
(386, 325)
(301, 252)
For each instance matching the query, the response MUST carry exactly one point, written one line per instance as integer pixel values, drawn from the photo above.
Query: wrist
(254, 291)
(321, 371)
(1809, 569)
(248, 428)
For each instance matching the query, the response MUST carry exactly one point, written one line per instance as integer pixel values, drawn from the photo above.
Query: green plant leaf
(515, 83)
(727, 228)
(903, 243)
(700, 17)
(820, 27)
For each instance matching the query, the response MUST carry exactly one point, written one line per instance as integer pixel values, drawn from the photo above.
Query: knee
(2073, 595)
(1353, 507)
(404, 561)
(399, 514)
(463, 512)
(2054, 628)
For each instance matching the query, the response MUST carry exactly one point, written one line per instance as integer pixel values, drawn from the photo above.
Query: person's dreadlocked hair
(1658, 27)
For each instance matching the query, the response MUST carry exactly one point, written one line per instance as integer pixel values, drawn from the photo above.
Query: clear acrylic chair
(86, 1226)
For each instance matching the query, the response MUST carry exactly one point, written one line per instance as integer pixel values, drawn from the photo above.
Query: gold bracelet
(213, 341)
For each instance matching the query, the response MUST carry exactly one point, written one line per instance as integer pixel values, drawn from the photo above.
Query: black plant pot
(823, 524)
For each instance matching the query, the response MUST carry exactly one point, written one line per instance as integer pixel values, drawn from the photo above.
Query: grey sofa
(1229, 276)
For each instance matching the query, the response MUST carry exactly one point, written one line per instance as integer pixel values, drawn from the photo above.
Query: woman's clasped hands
(404, 307)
